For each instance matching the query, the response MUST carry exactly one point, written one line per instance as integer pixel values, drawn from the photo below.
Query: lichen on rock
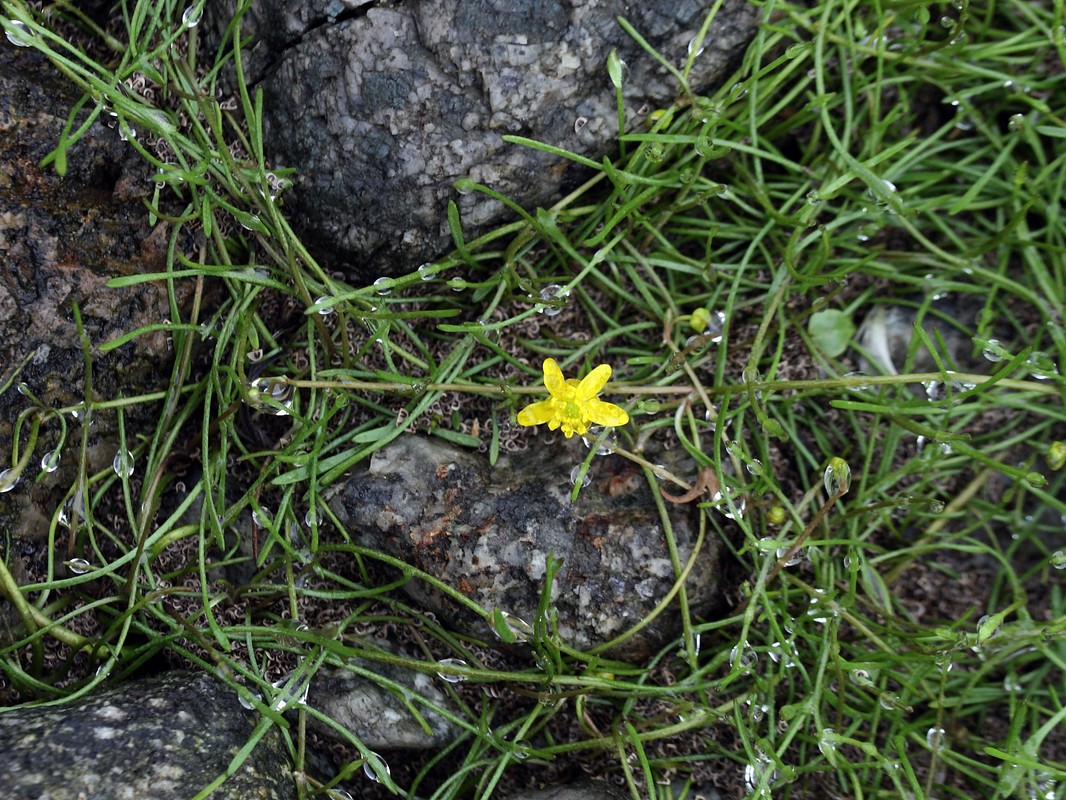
(489, 531)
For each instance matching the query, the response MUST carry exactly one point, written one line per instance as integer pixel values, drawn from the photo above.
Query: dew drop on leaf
(9, 478)
(19, 34)
(934, 737)
(837, 477)
(379, 762)
(122, 463)
(192, 16)
(451, 677)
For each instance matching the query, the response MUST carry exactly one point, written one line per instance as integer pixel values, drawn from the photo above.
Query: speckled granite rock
(382, 106)
(489, 531)
(585, 790)
(375, 715)
(165, 739)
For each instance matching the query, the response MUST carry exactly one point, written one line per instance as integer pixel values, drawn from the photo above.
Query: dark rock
(382, 106)
(376, 716)
(488, 532)
(165, 739)
(61, 240)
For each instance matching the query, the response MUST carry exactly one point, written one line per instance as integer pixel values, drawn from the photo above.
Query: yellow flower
(573, 404)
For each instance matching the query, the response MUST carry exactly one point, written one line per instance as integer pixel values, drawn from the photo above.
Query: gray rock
(382, 106)
(489, 531)
(165, 738)
(376, 716)
(585, 790)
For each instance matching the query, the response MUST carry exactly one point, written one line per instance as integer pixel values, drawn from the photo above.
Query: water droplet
(276, 391)
(827, 742)
(551, 295)
(451, 677)
(934, 390)
(383, 286)
(457, 284)
(1058, 559)
(744, 655)
(246, 703)
(934, 737)
(293, 695)
(19, 34)
(79, 566)
(754, 467)
(262, 516)
(814, 198)
(50, 462)
(759, 711)
(311, 519)
(586, 479)
(794, 559)
(9, 479)
(887, 188)
(740, 503)
(325, 310)
(714, 327)
(1016, 123)
(425, 272)
(521, 629)
(888, 702)
(860, 677)
(783, 654)
(959, 386)
(605, 448)
(1011, 684)
(1041, 366)
(837, 477)
(122, 463)
(373, 765)
(192, 16)
(760, 772)
(522, 748)
(697, 641)
(295, 535)
(985, 633)
(936, 506)
(695, 44)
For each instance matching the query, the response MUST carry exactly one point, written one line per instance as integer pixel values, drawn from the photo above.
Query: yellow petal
(553, 376)
(607, 414)
(536, 413)
(592, 383)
